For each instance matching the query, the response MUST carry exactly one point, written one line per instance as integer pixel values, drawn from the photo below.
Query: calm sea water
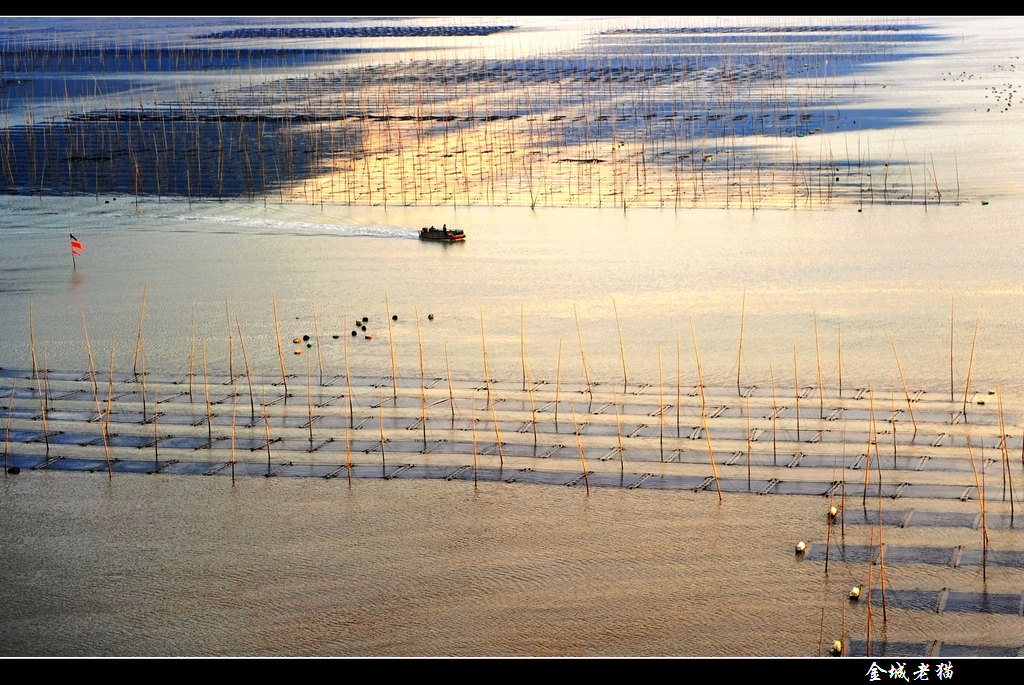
(177, 565)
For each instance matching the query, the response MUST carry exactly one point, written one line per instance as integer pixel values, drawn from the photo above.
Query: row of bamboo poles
(600, 126)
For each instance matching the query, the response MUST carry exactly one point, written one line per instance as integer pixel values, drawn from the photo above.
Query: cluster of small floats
(837, 648)
(359, 327)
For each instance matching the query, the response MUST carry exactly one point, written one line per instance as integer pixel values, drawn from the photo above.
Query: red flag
(76, 247)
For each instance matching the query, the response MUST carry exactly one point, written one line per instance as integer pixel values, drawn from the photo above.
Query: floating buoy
(13, 470)
(296, 340)
(394, 317)
(837, 648)
(308, 345)
(368, 336)
(855, 593)
(305, 337)
(298, 351)
(832, 513)
(801, 547)
(335, 336)
(353, 334)
(365, 319)
(430, 316)
(363, 327)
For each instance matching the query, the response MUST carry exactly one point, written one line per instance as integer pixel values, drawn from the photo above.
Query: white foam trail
(246, 225)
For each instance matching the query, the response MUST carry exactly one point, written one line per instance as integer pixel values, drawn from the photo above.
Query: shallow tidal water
(884, 300)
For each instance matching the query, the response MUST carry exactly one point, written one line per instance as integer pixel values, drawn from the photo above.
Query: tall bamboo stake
(280, 351)
(7, 428)
(191, 353)
(704, 414)
(483, 348)
(796, 391)
(391, 345)
(231, 341)
(92, 365)
(1004, 453)
(661, 409)
(579, 446)
(558, 383)
(618, 435)
(248, 375)
(622, 348)
(775, 416)
(906, 392)
(881, 561)
(234, 416)
(583, 356)
(871, 440)
(970, 365)
(839, 349)
(679, 384)
(423, 389)
(472, 423)
(348, 388)
(522, 341)
(105, 423)
(951, 349)
(448, 373)
(309, 401)
(206, 392)
(739, 347)
(316, 340)
(138, 336)
(979, 486)
(817, 357)
(380, 425)
(266, 426)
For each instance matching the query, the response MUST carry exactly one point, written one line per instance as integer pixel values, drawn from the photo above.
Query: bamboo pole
(423, 389)
(280, 351)
(906, 392)
(105, 422)
(579, 445)
(796, 391)
(248, 374)
(970, 365)
(138, 336)
(583, 356)
(448, 373)
(817, 357)
(775, 417)
(206, 392)
(979, 486)
(739, 348)
(622, 349)
(704, 414)
(391, 346)
(951, 349)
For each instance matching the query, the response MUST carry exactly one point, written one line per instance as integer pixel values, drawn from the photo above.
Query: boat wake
(261, 226)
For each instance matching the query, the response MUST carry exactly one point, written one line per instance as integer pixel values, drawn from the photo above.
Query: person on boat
(444, 228)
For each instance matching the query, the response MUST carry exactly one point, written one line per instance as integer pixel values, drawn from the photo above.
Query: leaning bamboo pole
(979, 486)
(391, 346)
(704, 414)
(906, 392)
(138, 335)
(970, 365)
(423, 387)
(739, 347)
(105, 422)
(280, 350)
(622, 349)
(579, 446)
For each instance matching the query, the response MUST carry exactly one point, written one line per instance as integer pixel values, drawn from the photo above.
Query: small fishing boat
(443, 234)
